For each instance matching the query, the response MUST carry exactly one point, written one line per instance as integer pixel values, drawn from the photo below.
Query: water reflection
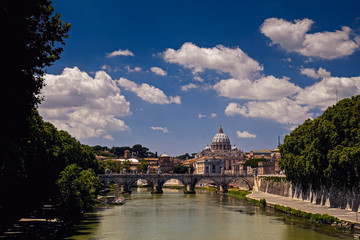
(174, 215)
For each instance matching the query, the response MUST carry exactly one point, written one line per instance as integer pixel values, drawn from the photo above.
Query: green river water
(201, 216)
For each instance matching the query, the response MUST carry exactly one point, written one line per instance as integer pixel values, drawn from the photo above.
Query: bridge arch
(247, 181)
(180, 179)
(133, 180)
(206, 177)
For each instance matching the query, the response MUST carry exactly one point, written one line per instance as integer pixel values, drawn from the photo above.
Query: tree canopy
(325, 151)
(77, 192)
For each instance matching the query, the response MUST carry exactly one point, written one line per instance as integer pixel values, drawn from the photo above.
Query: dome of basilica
(220, 137)
(220, 141)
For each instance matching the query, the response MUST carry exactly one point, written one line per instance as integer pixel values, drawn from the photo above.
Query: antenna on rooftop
(278, 140)
(336, 91)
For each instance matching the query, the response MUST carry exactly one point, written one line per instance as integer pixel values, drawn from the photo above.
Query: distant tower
(126, 154)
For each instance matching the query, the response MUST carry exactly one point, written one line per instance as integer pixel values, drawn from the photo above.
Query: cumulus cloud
(158, 71)
(82, 105)
(326, 92)
(246, 80)
(162, 129)
(227, 60)
(147, 92)
(120, 52)
(311, 72)
(284, 111)
(245, 134)
(263, 88)
(294, 110)
(293, 37)
(189, 86)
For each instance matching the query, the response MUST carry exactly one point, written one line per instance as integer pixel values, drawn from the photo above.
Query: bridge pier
(223, 188)
(157, 189)
(124, 188)
(189, 189)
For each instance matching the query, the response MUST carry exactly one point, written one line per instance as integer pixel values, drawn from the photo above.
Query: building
(260, 154)
(221, 149)
(208, 165)
(167, 163)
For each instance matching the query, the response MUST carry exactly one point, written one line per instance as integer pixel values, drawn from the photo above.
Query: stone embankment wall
(337, 198)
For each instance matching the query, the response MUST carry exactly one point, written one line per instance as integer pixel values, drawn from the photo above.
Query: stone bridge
(156, 181)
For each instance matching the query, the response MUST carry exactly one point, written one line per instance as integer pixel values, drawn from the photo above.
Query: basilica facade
(220, 156)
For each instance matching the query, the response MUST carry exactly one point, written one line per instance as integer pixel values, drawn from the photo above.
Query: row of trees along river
(39, 164)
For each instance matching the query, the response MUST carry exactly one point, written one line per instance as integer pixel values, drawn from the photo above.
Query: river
(175, 215)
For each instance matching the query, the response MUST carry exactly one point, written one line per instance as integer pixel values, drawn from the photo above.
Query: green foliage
(77, 192)
(142, 167)
(125, 166)
(185, 156)
(274, 178)
(238, 193)
(325, 218)
(113, 166)
(253, 162)
(29, 179)
(325, 151)
(180, 169)
(262, 202)
(32, 39)
(137, 150)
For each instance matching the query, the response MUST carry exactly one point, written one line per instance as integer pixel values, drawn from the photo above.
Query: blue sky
(166, 74)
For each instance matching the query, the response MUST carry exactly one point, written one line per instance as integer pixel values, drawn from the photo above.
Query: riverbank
(346, 216)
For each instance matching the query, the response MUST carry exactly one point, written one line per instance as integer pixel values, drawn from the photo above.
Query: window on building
(213, 168)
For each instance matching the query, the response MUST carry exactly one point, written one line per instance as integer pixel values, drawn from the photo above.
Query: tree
(180, 169)
(77, 190)
(185, 156)
(139, 151)
(142, 167)
(32, 39)
(324, 152)
(113, 166)
(125, 166)
(254, 162)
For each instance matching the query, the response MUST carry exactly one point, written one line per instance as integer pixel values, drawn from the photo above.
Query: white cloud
(289, 36)
(227, 60)
(211, 115)
(109, 68)
(163, 129)
(135, 69)
(325, 93)
(158, 71)
(246, 82)
(329, 45)
(293, 37)
(120, 52)
(198, 78)
(84, 106)
(189, 86)
(245, 134)
(264, 88)
(284, 111)
(147, 92)
(311, 72)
